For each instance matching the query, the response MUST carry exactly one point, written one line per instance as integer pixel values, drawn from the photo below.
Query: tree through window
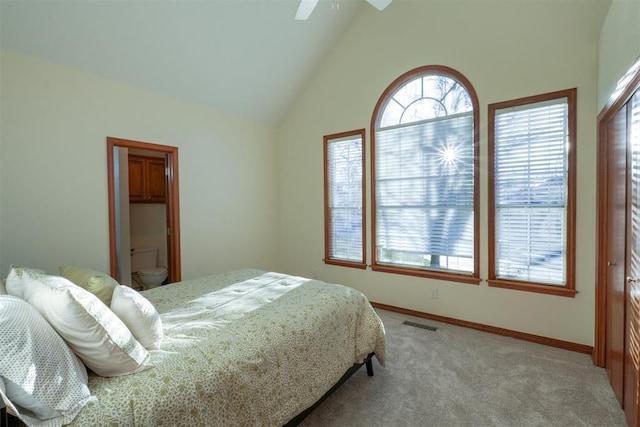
(424, 163)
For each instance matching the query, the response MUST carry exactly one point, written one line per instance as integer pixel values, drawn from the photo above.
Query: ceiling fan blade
(379, 4)
(305, 8)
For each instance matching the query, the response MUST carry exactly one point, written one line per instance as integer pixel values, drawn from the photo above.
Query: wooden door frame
(627, 86)
(172, 200)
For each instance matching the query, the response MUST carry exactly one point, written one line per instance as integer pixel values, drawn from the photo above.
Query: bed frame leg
(369, 364)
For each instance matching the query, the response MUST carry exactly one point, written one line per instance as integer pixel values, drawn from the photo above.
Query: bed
(246, 347)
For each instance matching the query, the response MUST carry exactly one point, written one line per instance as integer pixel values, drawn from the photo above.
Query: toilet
(145, 269)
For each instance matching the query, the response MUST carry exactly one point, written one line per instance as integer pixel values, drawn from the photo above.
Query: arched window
(425, 176)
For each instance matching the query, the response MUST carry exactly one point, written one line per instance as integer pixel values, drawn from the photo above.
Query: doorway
(617, 340)
(119, 245)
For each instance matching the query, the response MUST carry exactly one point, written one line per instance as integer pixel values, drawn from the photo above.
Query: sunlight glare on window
(449, 155)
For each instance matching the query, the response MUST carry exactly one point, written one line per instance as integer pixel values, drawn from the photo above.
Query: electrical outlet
(434, 293)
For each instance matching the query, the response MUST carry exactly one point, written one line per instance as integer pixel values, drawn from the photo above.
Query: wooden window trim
(327, 212)
(568, 290)
(471, 278)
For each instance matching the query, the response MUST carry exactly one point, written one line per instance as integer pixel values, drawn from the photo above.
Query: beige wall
(148, 228)
(506, 52)
(619, 46)
(53, 168)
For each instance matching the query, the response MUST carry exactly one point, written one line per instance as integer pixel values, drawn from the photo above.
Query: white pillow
(41, 378)
(140, 316)
(93, 332)
(99, 284)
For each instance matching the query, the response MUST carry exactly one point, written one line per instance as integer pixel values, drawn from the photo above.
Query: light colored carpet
(462, 377)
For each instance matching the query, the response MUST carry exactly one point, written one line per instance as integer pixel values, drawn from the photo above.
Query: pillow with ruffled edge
(41, 379)
(140, 316)
(99, 284)
(94, 333)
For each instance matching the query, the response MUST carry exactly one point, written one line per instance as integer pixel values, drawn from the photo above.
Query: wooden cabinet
(146, 179)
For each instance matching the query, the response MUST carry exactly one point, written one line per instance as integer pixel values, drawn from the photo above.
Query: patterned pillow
(90, 328)
(140, 316)
(99, 284)
(41, 378)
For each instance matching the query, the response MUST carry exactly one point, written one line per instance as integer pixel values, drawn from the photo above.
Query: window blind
(344, 168)
(424, 193)
(531, 187)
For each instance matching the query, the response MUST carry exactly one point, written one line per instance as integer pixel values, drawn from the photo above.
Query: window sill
(562, 291)
(431, 274)
(342, 263)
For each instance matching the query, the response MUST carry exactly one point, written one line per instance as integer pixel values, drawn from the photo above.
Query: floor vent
(420, 325)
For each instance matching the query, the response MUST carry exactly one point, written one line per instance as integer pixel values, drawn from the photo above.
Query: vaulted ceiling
(249, 58)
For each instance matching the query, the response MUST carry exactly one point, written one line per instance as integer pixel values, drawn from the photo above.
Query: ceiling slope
(248, 58)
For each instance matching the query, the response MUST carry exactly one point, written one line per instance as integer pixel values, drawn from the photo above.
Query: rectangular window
(532, 151)
(344, 189)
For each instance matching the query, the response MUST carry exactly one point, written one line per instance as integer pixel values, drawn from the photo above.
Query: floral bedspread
(245, 347)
